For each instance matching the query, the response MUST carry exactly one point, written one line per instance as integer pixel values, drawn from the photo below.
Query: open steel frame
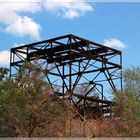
(78, 69)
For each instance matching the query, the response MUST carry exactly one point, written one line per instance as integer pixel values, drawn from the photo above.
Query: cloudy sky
(114, 24)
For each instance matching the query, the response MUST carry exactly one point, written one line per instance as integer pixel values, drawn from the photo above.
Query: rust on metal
(78, 69)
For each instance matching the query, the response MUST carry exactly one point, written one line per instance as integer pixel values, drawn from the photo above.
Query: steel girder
(78, 69)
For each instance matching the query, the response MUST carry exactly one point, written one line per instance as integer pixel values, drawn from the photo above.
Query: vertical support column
(63, 73)
(10, 62)
(70, 69)
(121, 73)
(79, 66)
(70, 77)
(84, 118)
(27, 54)
(102, 96)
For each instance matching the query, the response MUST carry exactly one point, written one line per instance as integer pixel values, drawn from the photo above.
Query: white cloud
(24, 26)
(10, 11)
(13, 14)
(4, 57)
(71, 14)
(68, 8)
(114, 43)
(10, 16)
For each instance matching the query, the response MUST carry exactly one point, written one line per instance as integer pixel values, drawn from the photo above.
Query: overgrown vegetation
(29, 109)
(126, 119)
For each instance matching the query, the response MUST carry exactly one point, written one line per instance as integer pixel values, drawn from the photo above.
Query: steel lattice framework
(78, 69)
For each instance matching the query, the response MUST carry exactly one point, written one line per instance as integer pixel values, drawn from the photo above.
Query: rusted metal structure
(81, 70)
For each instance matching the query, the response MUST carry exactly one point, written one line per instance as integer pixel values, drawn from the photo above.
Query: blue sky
(114, 24)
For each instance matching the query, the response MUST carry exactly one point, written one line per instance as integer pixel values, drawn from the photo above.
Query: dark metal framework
(78, 69)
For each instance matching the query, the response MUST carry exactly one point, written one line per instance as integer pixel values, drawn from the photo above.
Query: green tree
(131, 77)
(126, 119)
(10, 106)
(27, 106)
(3, 73)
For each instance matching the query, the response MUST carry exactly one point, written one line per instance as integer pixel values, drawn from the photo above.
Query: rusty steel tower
(81, 70)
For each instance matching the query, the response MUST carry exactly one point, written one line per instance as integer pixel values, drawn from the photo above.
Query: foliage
(126, 119)
(3, 73)
(10, 106)
(27, 106)
(132, 80)
(29, 109)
